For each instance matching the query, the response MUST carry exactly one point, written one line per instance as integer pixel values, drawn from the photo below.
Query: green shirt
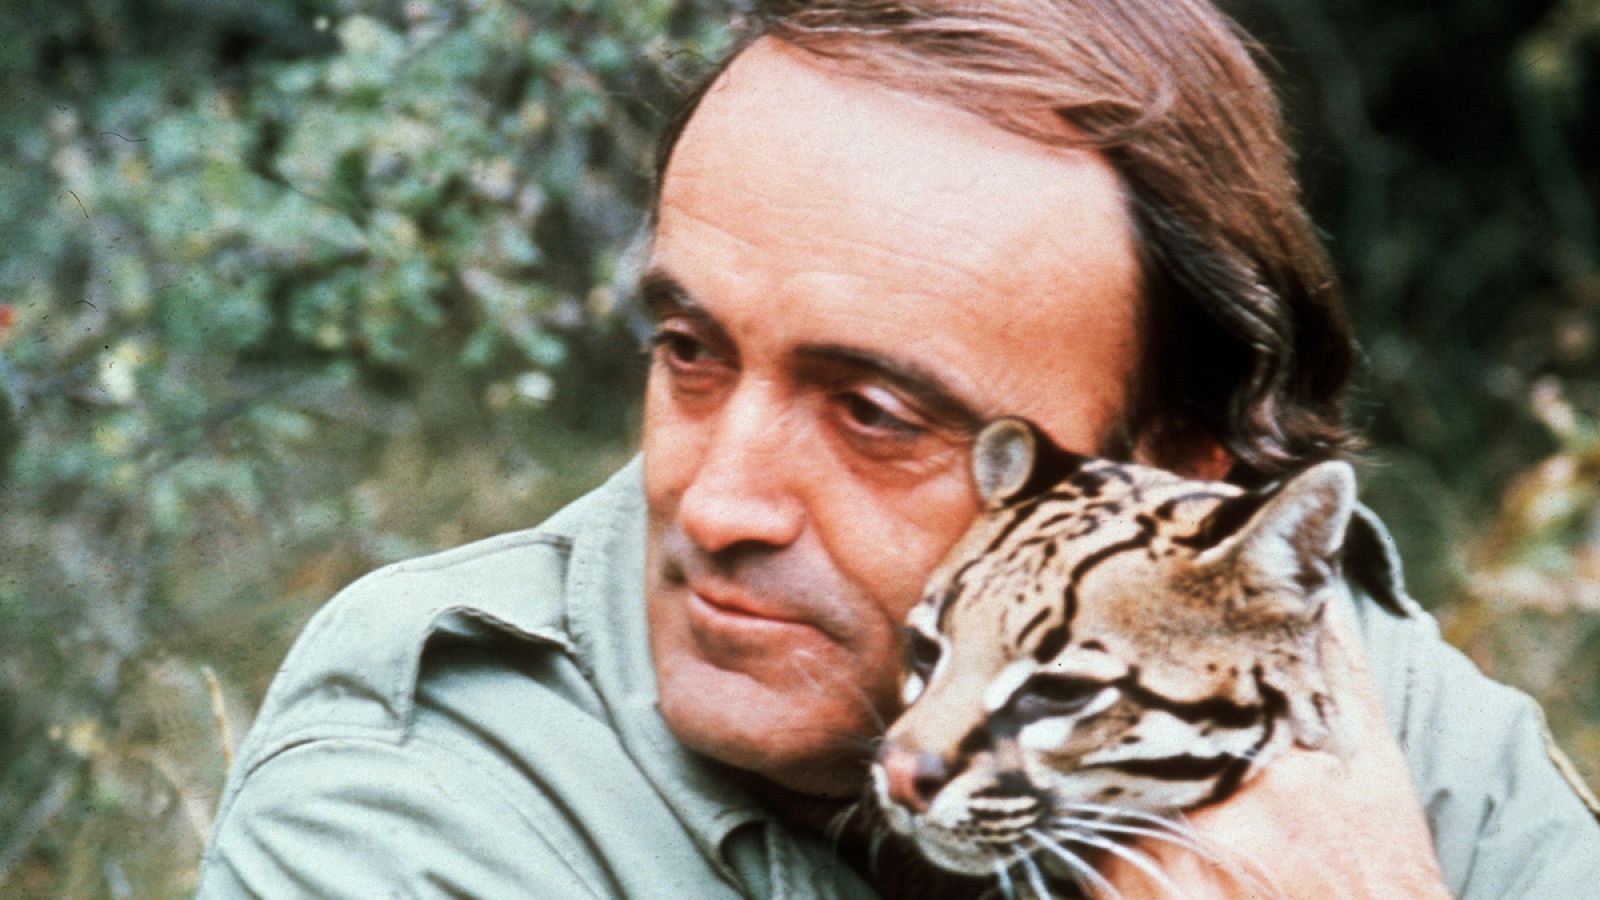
(482, 723)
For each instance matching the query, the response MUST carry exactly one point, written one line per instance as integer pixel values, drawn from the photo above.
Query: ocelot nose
(911, 777)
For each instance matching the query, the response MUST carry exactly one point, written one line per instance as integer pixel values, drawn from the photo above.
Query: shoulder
(1508, 817)
(437, 723)
(356, 664)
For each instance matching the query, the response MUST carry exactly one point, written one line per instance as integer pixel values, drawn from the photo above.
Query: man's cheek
(668, 462)
(901, 569)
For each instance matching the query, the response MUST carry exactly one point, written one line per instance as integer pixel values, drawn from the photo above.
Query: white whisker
(1003, 877)
(1118, 812)
(875, 847)
(841, 821)
(1244, 870)
(1035, 879)
(1078, 866)
(1144, 863)
(1177, 838)
(1239, 866)
(855, 691)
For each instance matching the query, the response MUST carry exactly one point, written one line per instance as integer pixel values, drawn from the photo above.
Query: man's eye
(679, 348)
(867, 414)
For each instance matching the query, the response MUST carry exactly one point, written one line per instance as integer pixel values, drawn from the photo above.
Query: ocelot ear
(1012, 460)
(1002, 459)
(1295, 538)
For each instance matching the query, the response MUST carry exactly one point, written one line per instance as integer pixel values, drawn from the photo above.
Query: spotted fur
(1108, 644)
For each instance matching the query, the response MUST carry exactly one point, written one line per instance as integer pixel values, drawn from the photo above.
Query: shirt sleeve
(1510, 819)
(354, 818)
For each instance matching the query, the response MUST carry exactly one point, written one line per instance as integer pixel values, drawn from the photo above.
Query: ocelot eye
(1051, 696)
(922, 653)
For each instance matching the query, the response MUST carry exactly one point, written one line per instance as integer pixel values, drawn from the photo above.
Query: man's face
(847, 281)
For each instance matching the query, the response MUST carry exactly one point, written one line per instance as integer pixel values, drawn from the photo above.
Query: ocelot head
(1108, 643)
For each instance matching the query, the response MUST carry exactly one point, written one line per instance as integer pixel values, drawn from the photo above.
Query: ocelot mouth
(963, 849)
(993, 831)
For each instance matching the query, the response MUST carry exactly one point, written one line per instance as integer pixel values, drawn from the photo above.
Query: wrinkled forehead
(838, 211)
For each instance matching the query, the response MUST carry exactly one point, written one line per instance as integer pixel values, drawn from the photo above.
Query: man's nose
(742, 490)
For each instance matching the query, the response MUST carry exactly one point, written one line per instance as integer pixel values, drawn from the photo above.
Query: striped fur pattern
(1108, 645)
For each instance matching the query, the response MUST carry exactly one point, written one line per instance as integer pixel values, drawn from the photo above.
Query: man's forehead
(902, 153)
(885, 162)
(802, 205)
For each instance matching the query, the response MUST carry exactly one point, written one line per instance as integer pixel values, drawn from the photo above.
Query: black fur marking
(1230, 778)
(1051, 466)
(1224, 521)
(1018, 515)
(1012, 783)
(1216, 709)
(1088, 483)
(1026, 508)
(948, 599)
(981, 739)
(1170, 505)
(1275, 704)
(1310, 576)
(959, 577)
(1056, 519)
(1183, 767)
(1035, 622)
(1119, 473)
(1006, 786)
(1052, 642)
(1057, 637)
(1093, 645)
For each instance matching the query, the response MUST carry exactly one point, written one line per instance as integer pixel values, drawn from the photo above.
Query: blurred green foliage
(293, 288)
(289, 290)
(1451, 152)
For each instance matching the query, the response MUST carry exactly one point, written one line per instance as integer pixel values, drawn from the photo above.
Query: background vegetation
(293, 288)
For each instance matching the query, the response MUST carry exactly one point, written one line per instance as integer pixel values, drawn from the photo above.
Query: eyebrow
(932, 394)
(663, 295)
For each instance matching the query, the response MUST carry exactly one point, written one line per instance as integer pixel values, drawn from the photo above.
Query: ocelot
(1109, 645)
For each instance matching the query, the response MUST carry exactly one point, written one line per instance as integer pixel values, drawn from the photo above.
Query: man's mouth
(725, 609)
(730, 601)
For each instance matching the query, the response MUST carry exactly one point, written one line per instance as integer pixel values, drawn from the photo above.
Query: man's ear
(1296, 537)
(1202, 460)
(1208, 461)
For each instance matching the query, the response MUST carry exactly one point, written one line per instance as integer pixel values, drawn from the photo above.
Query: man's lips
(732, 602)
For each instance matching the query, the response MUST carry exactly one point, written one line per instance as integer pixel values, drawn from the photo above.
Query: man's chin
(801, 740)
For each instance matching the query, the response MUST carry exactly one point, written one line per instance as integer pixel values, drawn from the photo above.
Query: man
(881, 225)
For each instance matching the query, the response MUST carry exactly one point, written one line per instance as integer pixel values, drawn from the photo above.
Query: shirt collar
(606, 620)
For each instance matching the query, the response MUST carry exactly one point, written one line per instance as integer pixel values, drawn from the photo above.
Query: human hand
(1314, 823)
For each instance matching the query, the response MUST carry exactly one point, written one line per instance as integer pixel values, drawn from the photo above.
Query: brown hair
(1246, 339)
